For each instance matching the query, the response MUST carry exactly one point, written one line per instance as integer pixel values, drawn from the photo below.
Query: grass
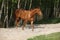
(53, 36)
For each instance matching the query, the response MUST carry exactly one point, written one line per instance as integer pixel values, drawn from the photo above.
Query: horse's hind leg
(24, 23)
(17, 22)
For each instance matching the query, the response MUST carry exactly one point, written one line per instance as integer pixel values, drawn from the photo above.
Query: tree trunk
(30, 4)
(56, 9)
(18, 4)
(5, 23)
(1, 8)
(1, 13)
(25, 4)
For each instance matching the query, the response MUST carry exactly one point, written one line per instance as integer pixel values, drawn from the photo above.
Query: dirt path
(19, 34)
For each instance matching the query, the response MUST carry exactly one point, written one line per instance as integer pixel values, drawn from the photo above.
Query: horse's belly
(30, 19)
(26, 17)
(23, 18)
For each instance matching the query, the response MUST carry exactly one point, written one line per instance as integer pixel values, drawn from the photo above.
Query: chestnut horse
(26, 15)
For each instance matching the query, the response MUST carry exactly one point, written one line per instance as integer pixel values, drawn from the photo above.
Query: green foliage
(53, 36)
(14, 1)
(48, 21)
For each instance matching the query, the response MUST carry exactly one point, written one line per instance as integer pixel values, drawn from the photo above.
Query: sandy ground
(19, 34)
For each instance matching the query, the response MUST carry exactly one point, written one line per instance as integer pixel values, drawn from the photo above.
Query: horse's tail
(15, 13)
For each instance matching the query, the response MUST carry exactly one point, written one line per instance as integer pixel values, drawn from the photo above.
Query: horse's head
(38, 11)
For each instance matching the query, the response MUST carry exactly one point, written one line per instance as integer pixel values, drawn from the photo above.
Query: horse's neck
(33, 13)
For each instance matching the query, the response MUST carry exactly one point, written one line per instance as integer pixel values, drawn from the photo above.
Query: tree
(30, 4)
(18, 4)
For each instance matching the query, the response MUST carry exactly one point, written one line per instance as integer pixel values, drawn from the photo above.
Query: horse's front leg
(24, 23)
(32, 25)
